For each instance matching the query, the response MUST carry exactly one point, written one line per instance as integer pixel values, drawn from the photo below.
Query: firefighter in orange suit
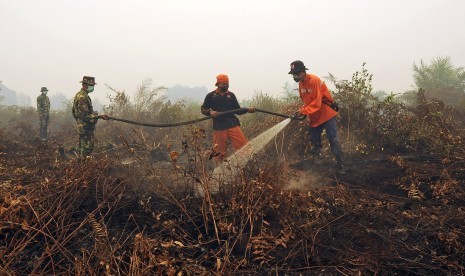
(319, 108)
(225, 127)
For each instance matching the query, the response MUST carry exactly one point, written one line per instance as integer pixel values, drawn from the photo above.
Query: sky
(54, 43)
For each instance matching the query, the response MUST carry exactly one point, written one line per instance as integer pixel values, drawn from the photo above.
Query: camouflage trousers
(43, 125)
(86, 143)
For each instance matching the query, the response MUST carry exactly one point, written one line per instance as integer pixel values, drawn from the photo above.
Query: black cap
(297, 67)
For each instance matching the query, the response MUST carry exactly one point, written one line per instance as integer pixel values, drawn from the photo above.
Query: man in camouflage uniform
(85, 116)
(43, 108)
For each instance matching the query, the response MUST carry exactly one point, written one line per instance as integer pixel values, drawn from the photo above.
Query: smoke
(306, 182)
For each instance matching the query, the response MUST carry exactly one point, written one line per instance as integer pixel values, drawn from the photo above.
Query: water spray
(238, 159)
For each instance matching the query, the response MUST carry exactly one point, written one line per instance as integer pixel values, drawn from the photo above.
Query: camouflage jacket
(83, 111)
(43, 105)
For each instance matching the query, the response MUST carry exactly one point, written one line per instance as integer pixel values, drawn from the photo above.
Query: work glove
(295, 115)
(104, 116)
(251, 109)
(298, 116)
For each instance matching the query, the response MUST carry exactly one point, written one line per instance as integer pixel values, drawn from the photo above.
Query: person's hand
(251, 109)
(297, 115)
(213, 113)
(104, 116)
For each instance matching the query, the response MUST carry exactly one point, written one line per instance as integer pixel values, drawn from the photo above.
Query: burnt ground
(382, 214)
(404, 208)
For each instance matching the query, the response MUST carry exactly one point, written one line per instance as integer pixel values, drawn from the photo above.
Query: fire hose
(298, 117)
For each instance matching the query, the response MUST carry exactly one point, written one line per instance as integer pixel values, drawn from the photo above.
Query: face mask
(44, 92)
(296, 77)
(224, 88)
(90, 88)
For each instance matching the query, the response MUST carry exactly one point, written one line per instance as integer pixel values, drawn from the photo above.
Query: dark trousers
(331, 132)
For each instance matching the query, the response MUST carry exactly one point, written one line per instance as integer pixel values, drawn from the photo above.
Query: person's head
(222, 82)
(44, 90)
(298, 70)
(88, 83)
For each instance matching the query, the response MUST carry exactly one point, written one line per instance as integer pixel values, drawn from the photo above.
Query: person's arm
(97, 116)
(38, 104)
(327, 98)
(85, 114)
(206, 106)
(41, 108)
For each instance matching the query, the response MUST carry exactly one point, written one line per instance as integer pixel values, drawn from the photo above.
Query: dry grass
(132, 209)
